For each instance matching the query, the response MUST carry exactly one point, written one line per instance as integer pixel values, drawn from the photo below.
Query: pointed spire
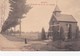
(57, 9)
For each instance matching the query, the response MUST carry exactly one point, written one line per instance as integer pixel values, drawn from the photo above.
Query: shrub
(70, 32)
(77, 32)
(55, 33)
(62, 33)
(43, 34)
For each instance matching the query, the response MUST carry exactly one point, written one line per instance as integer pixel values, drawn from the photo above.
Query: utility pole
(19, 26)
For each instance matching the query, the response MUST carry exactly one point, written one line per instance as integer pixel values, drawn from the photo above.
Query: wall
(74, 27)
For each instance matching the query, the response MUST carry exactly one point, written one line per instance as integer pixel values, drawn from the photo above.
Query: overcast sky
(40, 15)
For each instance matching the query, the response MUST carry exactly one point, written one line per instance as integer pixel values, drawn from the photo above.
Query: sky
(38, 17)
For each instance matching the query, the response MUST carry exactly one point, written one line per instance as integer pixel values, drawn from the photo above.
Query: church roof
(62, 17)
(65, 18)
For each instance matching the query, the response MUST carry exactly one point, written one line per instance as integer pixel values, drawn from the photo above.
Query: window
(68, 25)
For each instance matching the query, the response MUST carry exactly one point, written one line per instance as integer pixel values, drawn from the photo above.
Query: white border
(38, 53)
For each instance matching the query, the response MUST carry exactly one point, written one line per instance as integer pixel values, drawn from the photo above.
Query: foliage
(43, 34)
(55, 33)
(18, 9)
(70, 32)
(62, 33)
(77, 32)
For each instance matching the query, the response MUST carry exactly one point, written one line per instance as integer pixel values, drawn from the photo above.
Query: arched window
(68, 25)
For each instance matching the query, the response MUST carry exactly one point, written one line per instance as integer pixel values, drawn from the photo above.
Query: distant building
(65, 21)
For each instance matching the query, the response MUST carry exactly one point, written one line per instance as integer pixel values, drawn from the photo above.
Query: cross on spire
(56, 2)
(56, 10)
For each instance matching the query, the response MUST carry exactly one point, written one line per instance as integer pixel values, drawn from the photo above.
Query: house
(58, 21)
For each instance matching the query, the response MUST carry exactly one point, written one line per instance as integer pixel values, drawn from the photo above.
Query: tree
(43, 34)
(62, 33)
(77, 32)
(55, 33)
(70, 32)
(18, 8)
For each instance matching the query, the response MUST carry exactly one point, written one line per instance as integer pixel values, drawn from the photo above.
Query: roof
(62, 17)
(65, 18)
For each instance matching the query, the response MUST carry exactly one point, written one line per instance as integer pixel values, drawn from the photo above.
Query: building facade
(58, 21)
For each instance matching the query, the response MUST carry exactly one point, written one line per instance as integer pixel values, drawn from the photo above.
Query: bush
(70, 32)
(55, 33)
(62, 33)
(43, 34)
(77, 32)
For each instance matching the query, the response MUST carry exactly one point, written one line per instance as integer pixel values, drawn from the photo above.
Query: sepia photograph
(39, 25)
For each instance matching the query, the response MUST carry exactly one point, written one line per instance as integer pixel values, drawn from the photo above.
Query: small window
(68, 25)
